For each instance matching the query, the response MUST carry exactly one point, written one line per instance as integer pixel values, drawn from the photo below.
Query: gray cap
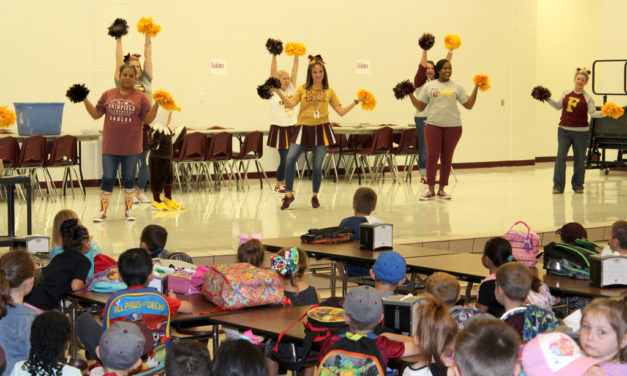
(363, 303)
(122, 345)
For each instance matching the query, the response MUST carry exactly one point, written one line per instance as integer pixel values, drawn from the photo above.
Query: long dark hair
(49, 336)
(325, 79)
(497, 250)
(15, 268)
(239, 357)
(74, 235)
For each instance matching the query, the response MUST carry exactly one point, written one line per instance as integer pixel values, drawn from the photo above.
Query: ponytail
(5, 295)
(74, 235)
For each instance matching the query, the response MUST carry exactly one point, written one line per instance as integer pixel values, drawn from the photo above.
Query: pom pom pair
(483, 81)
(541, 93)
(293, 48)
(146, 26)
(369, 103)
(403, 89)
(612, 110)
(426, 41)
(263, 90)
(452, 42)
(275, 46)
(118, 28)
(7, 117)
(165, 100)
(77, 93)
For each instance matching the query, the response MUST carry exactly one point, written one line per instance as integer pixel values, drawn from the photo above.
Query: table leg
(73, 339)
(29, 210)
(333, 278)
(216, 340)
(468, 290)
(80, 167)
(11, 209)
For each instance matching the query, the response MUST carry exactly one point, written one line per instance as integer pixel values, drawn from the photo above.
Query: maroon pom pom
(273, 82)
(77, 93)
(403, 89)
(426, 41)
(264, 91)
(275, 46)
(541, 93)
(118, 28)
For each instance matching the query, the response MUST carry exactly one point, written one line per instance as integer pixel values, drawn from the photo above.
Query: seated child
(238, 357)
(188, 358)
(486, 346)
(291, 266)
(251, 250)
(513, 282)
(67, 271)
(497, 251)
(17, 272)
(388, 272)
(556, 354)
(122, 346)
(434, 335)
(364, 203)
(539, 294)
(153, 239)
(57, 240)
(445, 288)
(603, 334)
(364, 311)
(618, 239)
(50, 337)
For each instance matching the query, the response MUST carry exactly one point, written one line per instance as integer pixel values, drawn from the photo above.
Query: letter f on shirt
(572, 103)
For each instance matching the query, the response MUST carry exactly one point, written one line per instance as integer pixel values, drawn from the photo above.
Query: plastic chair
(218, 153)
(340, 150)
(190, 158)
(64, 154)
(32, 157)
(251, 150)
(9, 155)
(380, 150)
(407, 146)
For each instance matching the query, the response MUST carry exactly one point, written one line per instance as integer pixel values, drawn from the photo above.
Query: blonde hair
(582, 72)
(435, 331)
(61, 216)
(281, 72)
(615, 311)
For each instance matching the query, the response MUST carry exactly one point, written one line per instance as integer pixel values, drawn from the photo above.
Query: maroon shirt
(122, 133)
(574, 110)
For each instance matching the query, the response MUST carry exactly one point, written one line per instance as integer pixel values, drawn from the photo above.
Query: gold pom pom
(7, 117)
(483, 81)
(293, 48)
(146, 26)
(165, 100)
(369, 103)
(612, 110)
(452, 42)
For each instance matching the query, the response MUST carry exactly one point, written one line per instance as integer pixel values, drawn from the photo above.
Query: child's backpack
(352, 356)
(236, 286)
(151, 307)
(569, 260)
(101, 283)
(328, 235)
(537, 321)
(525, 244)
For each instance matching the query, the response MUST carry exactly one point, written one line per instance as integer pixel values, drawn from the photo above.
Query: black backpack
(353, 357)
(329, 235)
(570, 260)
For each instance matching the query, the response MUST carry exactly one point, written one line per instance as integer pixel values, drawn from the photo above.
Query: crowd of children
(511, 329)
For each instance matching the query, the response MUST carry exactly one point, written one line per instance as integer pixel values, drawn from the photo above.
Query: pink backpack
(242, 285)
(187, 283)
(525, 244)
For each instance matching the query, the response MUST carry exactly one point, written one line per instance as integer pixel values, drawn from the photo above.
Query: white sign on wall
(362, 67)
(218, 66)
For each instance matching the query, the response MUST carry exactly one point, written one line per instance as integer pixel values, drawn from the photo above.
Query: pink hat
(555, 354)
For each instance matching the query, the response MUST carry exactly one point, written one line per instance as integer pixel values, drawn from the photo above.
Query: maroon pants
(441, 142)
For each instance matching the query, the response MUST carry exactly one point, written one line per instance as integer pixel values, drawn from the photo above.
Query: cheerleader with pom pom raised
(573, 129)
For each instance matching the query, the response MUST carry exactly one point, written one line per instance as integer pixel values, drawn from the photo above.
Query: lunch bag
(328, 235)
(525, 244)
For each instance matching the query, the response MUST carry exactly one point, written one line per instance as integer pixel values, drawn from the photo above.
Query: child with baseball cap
(555, 354)
(121, 347)
(388, 272)
(364, 311)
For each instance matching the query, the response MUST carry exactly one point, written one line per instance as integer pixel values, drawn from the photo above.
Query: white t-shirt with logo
(442, 98)
(282, 115)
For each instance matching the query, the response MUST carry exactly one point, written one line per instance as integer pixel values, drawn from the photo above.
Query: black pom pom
(273, 82)
(426, 41)
(118, 28)
(264, 91)
(403, 89)
(275, 46)
(77, 93)
(541, 93)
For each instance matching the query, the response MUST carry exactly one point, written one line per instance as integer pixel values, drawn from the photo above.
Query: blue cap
(390, 267)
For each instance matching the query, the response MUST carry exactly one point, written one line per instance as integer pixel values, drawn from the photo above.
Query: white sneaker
(101, 217)
(140, 197)
(129, 216)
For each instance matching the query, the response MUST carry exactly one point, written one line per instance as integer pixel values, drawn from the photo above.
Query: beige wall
(518, 43)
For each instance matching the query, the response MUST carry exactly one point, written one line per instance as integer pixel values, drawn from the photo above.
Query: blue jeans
(280, 171)
(294, 152)
(110, 164)
(422, 144)
(579, 141)
(142, 174)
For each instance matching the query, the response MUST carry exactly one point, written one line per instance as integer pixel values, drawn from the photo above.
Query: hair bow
(287, 264)
(584, 69)
(315, 59)
(248, 336)
(243, 238)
